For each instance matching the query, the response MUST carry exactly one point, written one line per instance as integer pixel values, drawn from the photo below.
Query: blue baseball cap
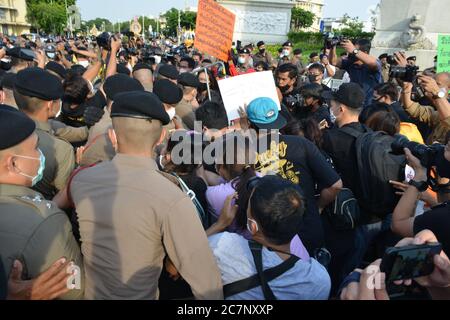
(263, 113)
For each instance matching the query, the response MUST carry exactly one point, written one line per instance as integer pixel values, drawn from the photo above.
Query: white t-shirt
(307, 280)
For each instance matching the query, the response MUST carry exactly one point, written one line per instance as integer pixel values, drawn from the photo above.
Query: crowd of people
(96, 204)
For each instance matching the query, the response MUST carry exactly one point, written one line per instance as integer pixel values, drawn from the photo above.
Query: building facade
(314, 6)
(13, 17)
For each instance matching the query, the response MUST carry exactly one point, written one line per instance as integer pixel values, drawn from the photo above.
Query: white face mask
(171, 113)
(157, 59)
(286, 53)
(241, 60)
(84, 63)
(182, 70)
(332, 116)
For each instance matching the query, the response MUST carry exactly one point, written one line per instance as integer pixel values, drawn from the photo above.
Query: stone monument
(412, 26)
(266, 20)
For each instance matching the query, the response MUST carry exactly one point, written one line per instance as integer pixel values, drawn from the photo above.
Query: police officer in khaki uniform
(70, 134)
(185, 109)
(244, 66)
(38, 94)
(32, 229)
(131, 216)
(98, 147)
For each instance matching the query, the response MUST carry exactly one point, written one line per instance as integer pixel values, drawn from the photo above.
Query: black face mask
(312, 78)
(262, 51)
(285, 88)
(203, 87)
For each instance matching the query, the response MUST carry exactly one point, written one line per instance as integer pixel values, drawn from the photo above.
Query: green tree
(48, 15)
(353, 27)
(187, 20)
(301, 19)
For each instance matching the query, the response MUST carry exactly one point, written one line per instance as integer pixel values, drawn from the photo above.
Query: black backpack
(344, 213)
(377, 165)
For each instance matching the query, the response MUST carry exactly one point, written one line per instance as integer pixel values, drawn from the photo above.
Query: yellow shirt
(410, 131)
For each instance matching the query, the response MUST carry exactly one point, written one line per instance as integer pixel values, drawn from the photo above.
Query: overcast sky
(125, 10)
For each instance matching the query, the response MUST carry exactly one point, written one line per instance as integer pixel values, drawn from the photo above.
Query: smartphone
(409, 262)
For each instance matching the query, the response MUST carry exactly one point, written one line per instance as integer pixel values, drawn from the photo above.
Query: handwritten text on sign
(443, 63)
(214, 29)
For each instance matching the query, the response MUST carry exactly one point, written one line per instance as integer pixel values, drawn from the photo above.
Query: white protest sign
(241, 90)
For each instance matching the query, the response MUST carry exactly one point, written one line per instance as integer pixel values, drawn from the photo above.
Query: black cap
(141, 65)
(120, 83)
(121, 69)
(244, 51)
(167, 91)
(9, 81)
(260, 43)
(188, 80)
(140, 105)
(298, 51)
(21, 53)
(383, 56)
(350, 94)
(169, 71)
(287, 44)
(15, 127)
(56, 68)
(38, 83)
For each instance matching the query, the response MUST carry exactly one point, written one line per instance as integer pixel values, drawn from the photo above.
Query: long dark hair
(240, 172)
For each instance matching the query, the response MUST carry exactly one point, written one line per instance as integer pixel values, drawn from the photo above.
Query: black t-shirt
(341, 148)
(3, 281)
(75, 117)
(436, 220)
(298, 160)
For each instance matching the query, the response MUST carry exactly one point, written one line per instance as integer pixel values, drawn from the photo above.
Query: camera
(294, 102)
(104, 40)
(332, 41)
(429, 156)
(408, 74)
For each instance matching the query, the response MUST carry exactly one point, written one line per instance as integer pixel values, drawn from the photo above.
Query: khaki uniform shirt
(185, 111)
(99, 147)
(430, 116)
(130, 218)
(37, 233)
(266, 57)
(59, 161)
(68, 133)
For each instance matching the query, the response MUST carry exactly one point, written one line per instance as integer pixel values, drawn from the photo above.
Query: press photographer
(437, 116)
(363, 68)
(422, 159)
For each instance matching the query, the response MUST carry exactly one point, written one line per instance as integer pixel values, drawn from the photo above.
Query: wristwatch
(441, 94)
(356, 51)
(422, 186)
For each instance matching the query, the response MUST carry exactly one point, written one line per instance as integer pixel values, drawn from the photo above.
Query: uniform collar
(44, 126)
(15, 190)
(135, 161)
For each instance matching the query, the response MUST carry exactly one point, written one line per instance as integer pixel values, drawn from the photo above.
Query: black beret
(167, 91)
(298, 51)
(38, 83)
(413, 58)
(260, 43)
(9, 81)
(140, 105)
(188, 80)
(169, 71)
(121, 69)
(141, 65)
(287, 44)
(383, 56)
(15, 127)
(244, 51)
(120, 83)
(21, 53)
(56, 68)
